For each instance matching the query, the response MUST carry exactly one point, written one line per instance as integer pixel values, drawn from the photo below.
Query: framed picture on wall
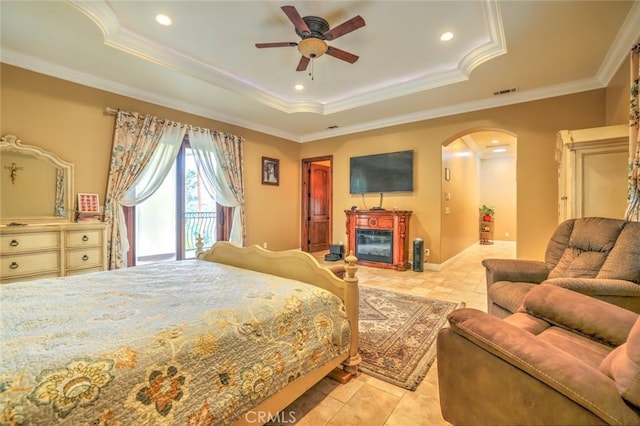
(88, 203)
(270, 171)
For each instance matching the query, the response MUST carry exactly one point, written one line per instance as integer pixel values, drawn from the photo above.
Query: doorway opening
(317, 203)
(478, 168)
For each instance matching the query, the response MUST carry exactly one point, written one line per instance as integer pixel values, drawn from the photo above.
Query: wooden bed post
(199, 246)
(352, 294)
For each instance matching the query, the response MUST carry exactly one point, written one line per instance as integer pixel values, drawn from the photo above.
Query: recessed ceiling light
(495, 141)
(446, 36)
(299, 87)
(500, 150)
(163, 19)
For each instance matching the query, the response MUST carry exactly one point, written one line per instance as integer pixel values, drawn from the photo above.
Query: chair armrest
(598, 286)
(580, 313)
(566, 374)
(515, 270)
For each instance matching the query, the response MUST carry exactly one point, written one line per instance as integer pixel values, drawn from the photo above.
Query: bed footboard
(301, 266)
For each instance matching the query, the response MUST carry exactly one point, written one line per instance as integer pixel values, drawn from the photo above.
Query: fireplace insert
(374, 245)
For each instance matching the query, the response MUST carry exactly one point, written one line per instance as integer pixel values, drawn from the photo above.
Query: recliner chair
(563, 359)
(596, 256)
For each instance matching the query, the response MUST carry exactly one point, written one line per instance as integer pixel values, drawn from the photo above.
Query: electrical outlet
(427, 252)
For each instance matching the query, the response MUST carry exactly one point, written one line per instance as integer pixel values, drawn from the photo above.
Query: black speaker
(337, 249)
(336, 252)
(418, 256)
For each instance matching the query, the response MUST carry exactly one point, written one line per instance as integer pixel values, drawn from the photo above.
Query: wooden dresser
(42, 251)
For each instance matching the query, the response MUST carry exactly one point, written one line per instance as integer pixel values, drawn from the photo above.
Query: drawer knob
(85, 238)
(85, 257)
(13, 243)
(14, 265)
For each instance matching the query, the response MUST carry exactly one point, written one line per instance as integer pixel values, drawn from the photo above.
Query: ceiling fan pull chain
(311, 73)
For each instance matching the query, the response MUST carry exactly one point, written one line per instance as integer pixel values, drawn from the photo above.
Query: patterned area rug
(398, 335)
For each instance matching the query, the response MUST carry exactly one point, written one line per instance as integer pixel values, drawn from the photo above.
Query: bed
(230, 338)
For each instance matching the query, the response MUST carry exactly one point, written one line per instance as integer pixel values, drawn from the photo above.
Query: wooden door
(316, 205)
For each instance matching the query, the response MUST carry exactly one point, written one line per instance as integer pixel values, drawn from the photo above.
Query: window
(166, 225)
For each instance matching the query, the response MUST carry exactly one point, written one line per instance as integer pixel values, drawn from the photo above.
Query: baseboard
(440, 266)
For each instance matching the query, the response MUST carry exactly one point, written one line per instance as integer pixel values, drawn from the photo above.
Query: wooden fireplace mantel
(396, 221)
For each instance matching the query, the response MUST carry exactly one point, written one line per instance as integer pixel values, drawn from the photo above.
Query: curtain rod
(111, 111)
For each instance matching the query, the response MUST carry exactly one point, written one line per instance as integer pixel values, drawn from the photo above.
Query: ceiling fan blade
(341, 54)
(279, 44)
(302, 65)
(297, 20)
(345, 28)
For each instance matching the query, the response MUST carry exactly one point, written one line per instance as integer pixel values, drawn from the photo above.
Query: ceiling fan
(314, 32)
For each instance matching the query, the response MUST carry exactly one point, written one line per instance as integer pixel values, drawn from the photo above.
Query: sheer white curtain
(210, 154)
(158, 166)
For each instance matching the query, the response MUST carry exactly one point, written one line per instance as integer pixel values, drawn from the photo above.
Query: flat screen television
(389, 172)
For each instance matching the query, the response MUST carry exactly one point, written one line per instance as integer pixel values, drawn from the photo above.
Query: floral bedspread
(185, 342)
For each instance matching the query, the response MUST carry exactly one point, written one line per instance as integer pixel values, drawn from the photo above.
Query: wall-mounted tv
(389, 172)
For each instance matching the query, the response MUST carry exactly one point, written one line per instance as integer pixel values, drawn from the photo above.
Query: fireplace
(374, 245)
(379, 238)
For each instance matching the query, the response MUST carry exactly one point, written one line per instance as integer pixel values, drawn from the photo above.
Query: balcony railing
(200, 223)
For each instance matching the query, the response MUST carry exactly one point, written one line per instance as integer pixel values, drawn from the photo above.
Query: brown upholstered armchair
(564, 358)
(595, 256)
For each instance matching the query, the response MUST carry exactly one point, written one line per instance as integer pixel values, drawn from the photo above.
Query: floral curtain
(158, 167)
(633, 208)
(134, 141)
(219, 157)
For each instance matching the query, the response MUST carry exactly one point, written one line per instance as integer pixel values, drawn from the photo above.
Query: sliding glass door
(166, 226)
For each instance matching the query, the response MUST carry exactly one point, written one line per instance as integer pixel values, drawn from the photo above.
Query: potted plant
(487, 213)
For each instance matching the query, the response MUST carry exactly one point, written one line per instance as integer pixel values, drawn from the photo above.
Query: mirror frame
(11, 143)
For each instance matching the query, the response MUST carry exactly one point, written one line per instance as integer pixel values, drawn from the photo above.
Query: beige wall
(69, 120)
(617, 99)
(459, 213)
(498, 189)
(535, 124)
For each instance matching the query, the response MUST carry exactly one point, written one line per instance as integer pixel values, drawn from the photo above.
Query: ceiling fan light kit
(313, 32)
(312, 47)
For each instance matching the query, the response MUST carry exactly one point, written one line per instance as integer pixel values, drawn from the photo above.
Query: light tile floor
(366, 400)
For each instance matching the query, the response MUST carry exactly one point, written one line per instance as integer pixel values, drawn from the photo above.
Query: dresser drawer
(87, 238)
(8, 280)
(84, 271)
(16, 243)
(33, 263)
(86, 258)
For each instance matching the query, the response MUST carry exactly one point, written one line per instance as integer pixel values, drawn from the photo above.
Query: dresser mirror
(36, 185)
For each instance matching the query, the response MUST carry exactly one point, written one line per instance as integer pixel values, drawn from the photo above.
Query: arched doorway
(479, 168)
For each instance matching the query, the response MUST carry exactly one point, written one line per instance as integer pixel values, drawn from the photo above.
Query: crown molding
(495, 102)
(20, 60)
(628, 36)
(23, 61)
(120, 38)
